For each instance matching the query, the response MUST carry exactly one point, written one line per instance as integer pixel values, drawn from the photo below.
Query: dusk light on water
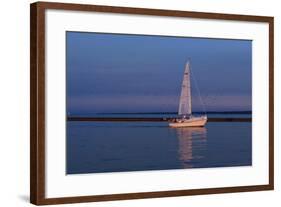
(133, 101)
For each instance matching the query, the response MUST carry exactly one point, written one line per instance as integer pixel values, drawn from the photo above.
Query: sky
(118, 73)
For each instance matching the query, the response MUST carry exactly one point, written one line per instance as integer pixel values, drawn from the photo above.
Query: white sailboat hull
(191, 122)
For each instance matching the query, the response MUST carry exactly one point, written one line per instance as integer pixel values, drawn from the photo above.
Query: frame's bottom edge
(144, 195)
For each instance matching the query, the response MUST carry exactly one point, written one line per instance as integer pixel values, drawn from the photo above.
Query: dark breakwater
(151, 119)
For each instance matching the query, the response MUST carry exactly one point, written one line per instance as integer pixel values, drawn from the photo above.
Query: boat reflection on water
(192, 142)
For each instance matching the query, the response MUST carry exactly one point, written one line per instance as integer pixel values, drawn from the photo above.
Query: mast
(185, 97)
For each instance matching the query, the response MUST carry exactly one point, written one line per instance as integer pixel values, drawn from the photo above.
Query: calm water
(94, 147)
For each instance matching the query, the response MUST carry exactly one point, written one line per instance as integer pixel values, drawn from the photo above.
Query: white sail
(185, 98)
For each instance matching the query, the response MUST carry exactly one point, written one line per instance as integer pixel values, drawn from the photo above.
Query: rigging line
(197, 88)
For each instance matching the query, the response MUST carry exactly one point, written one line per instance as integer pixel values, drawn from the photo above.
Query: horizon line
(244, 111)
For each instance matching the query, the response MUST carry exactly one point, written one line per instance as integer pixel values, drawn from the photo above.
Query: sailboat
(185, 112)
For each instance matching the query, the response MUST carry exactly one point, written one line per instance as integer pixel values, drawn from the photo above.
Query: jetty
(150, 119)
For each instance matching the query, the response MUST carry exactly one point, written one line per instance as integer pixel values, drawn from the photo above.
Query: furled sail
(185, 98)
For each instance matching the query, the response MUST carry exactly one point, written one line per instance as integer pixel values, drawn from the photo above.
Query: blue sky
(136, 73)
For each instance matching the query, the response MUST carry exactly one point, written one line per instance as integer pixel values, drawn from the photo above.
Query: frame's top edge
(148, 11)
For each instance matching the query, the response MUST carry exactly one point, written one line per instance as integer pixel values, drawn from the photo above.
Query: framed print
(130, 103)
